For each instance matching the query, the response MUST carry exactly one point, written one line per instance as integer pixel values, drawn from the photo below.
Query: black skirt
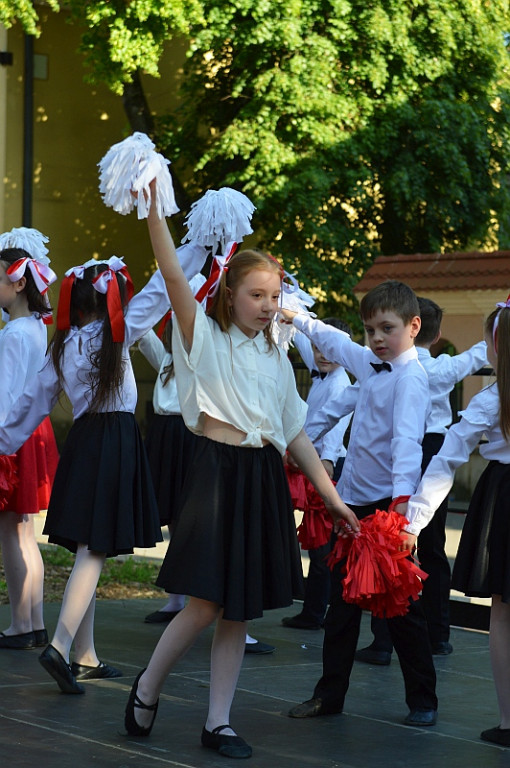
(234, 542)
(482, 564)
(170, 449)
(102, 493)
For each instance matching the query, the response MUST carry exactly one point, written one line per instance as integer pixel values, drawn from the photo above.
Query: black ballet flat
(54, 663)
(227, 746)
(134, 701)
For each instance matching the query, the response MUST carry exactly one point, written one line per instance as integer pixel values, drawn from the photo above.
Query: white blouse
(23, 344)
(41, 393)
(481, 418)
(237, 380)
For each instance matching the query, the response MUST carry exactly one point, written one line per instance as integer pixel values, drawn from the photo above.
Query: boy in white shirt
(443, 373)
(383, 463)
(328, 379)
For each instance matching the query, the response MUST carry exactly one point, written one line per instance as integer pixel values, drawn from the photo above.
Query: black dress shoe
(41, 638)
(22, 642)
(160, 617)
(497, 735)
(421, 717)
(442, 649)
(134, 702)
(297, 622)
(227, 746)
(373, 656)
(54, 663)
(259, 648)
(101, 672)
(313, 708)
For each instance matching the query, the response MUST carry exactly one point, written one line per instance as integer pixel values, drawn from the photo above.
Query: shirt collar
(402, 359)
(238, 338)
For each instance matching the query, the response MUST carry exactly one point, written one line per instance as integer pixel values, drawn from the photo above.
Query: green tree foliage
(12, 11)
(357, 127)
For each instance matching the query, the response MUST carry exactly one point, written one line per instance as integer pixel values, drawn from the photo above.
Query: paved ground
(41, 726)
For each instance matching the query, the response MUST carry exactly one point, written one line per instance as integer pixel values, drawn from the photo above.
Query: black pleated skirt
(482, 564)
(234, 542)
(170, 449)
(102, 493)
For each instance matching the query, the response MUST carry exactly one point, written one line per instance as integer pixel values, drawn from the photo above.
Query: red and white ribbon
(104, 283)
(219, 265)
(42, 274)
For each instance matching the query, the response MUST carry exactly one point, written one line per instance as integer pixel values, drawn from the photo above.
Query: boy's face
(322, 363)
(387, 335)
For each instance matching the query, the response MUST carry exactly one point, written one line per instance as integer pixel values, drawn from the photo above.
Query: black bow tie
(378, 367)
(315, 374)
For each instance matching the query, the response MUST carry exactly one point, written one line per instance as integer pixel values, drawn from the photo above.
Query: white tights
(76, 618)
(24, 572)
(226, 657)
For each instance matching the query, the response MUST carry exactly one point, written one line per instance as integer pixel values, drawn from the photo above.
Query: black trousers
(434, 561)
(408, 633)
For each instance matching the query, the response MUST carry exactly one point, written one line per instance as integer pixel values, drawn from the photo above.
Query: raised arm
(181, 298)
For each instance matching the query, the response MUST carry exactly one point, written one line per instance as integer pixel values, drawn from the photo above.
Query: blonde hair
(238, 267)
(501, 341)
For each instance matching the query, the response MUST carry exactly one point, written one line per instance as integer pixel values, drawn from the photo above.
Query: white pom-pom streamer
(31, 240)
(297, 300)
(130, 166)
(220, 217)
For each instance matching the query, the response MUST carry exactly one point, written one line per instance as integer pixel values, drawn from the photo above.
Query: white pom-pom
(130, 166)
(220, 217)
(31, 240)
(297, 300)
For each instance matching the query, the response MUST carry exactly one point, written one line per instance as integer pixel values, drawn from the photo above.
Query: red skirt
(35, 464)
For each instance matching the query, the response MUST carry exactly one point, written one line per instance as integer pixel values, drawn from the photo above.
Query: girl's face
(491, 352)
(8, 291)
(255, 301)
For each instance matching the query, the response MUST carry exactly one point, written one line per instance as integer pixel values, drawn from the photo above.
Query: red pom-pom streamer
(8, 479)
(378, 576)
(317, 524)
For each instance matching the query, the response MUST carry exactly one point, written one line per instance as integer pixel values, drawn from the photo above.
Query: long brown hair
(36, 301)
(107, 367)
(239, 266)
(501, 340)
(168, 371)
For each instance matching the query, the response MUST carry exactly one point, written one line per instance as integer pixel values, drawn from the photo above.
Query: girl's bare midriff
(223, 432)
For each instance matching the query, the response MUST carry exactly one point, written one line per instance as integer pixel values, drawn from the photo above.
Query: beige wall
(74, 125)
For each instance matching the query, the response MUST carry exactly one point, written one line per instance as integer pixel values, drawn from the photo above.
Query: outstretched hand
(286, 315)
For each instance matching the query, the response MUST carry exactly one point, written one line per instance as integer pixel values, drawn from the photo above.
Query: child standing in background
(170, 444)
(327, 378)
(102, 503)
(482, 564)
(24, 279)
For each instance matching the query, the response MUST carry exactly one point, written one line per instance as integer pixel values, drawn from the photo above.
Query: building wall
(74, 125)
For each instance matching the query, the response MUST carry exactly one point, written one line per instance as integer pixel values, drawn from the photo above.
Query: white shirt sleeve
(152, 348)
(461, 439)
(337, 346)
(36, 402)
(325, 419)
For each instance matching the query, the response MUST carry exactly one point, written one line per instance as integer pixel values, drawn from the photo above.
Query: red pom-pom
(378, 576)
(317, 524)
(8, 479)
